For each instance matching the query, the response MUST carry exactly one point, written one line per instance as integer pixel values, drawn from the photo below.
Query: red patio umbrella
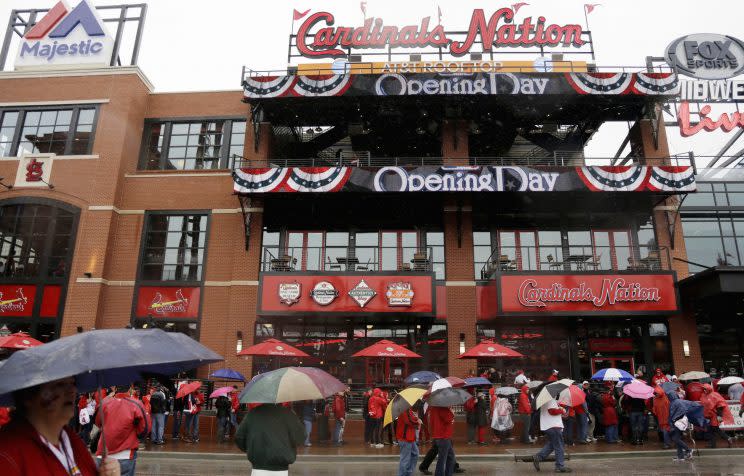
(273, 347)
(488, 349)
(386, 348)
(19, 340)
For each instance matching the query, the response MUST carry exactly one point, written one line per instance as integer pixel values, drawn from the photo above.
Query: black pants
(367, 429)
(430, 456)
(375, 430)
(711, 433)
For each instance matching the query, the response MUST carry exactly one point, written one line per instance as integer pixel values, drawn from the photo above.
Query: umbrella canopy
(447, 397)
(612, 375)
(572, 396)
(489, 349)
(19, 340)
(221, 392)
(386, 348)
(405, 399)
(694, 375)
(103, 358)
(446, 382)
(273, 347)
(638, 390)
(551, 391)
(669, 387)
(188, 388)
(291, 384)
(534, 383)
(506, 391)
(477, 382)
(228, 374)
(730, 380)
(423, 376)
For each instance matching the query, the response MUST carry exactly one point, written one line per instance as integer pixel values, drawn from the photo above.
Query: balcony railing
(578, 259)
(341, 259)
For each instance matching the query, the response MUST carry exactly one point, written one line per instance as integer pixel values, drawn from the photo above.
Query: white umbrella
(730, 380)
(694, 375)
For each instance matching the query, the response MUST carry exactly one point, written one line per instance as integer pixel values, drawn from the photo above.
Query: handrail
(348, 258)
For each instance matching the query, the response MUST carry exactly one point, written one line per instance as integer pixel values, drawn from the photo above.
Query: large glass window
(174, 247)
(710, 242)
(63, 131)
(482, 250)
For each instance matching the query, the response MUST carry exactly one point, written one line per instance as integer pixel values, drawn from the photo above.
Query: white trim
(230, 283)
(105, 71)
(169, 175)
(61, 157)
(104, 281)
(460, 283)
(54, 103)
(111, 208)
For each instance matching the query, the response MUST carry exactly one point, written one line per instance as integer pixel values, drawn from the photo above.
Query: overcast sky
(191, 45)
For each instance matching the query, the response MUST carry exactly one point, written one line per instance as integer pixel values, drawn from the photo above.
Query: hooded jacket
(270, 434)
(524, 405)
(713, 403)
(679, 408)
(377, 404)
(609, 414)
(661, 409)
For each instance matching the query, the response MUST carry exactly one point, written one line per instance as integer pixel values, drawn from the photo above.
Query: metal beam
(733, 159)
(725, 148)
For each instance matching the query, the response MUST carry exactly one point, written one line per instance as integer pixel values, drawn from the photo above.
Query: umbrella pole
(104, 452)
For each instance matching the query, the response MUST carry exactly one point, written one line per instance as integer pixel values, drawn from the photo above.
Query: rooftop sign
(707, 56)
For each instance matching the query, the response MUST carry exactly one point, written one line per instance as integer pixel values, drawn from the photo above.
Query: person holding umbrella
(551, 423)
(609, 417)
(442, 422)
(123, 421)
(405, 433)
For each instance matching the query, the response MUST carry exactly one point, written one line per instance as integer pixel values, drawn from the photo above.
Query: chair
(595, 263)
(364, 267)
(331, 265)
(405, 267)
(552, 264)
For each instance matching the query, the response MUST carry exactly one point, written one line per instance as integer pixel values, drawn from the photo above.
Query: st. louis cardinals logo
(180, 304)
(34, 171)
(16, 304)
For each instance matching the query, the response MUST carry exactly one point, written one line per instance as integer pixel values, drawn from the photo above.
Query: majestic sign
(350, 294)
(673, 179)
(171, 302)
(707, 56)
(587, 293)
(499, 31)
(289, 293)
(65, 38)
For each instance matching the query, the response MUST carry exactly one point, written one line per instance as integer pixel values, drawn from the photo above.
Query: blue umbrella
(669, 387)
(477, 382)
(424, 376)
(228, 374)
(612, 375)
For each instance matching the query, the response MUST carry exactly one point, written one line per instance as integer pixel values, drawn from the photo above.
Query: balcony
(576, 259)
(349, 259)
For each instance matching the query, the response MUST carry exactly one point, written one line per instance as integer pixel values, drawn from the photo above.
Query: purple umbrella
(228, 374)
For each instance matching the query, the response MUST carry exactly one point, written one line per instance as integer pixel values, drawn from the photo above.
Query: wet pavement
(719, 463)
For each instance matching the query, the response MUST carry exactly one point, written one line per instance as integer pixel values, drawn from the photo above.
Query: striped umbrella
(291, 384)
(446, 382)
(405, 399)
(612, 375)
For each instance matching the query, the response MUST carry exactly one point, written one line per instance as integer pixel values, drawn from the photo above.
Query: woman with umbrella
(609, 416)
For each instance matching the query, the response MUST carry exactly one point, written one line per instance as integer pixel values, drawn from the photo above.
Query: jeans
(568, 431)
(682, 447)
(526, 424)
(222, 422)
(338, 431)
(233, 421)
(308, 429)
(429, 457)
(158, 427)
(554, 442)
(177, 417)
(126, 465)
(582, 426)
(666, 437)
(611, 434)
(409, 454)
(192, 425)
(592, 426)
(446, 459)
(636, 425)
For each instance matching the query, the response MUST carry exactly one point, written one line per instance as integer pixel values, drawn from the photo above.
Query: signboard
(486, 179)
(738, 424)
(590, 293)
(707, 56)
(34, 170)
(349, 294)
(544, 65)
(17, 300)
(66, 38)
(169, 302)
(611, 344)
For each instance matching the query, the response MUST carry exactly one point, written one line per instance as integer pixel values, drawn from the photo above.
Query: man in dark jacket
(157, 409)
(270, 434)
(223, 407)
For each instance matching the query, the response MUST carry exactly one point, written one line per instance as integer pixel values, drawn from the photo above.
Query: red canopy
(19, 340)
(385, 348)
(188, 388)
(273, 347)
(488, 349)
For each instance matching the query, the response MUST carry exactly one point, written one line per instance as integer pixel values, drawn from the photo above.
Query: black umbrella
(551, 390)
(447, 397)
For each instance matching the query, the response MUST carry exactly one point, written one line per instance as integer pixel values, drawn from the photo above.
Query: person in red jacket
(658, 378)
(694, 391)
(377, 406)
(470, 418)
(442, 422)
(716, 410)
(405, 433)
(235, 406)
(339, 413)
(124, 421)
(524, 407)
(553, 376)
(661, 413)
(609, 417)
(38, 440)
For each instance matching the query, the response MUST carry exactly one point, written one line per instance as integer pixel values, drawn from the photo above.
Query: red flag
(439, 14)
(299, 15)
(517, 6)
(589, 7)
(363, 7)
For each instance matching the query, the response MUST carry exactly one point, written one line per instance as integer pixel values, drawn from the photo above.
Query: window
(174, 247)
(67, 131)
(192, 145)
(709, 241)
(481, 251)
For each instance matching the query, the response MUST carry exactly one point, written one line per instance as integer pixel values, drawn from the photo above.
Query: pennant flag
(589, 7)
(439, 14)
(517, 6)
(300, 15)
(363, 7)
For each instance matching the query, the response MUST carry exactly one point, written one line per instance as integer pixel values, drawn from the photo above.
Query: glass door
(623, 363)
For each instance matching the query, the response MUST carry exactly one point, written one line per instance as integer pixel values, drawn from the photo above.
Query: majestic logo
(399, 294)
(323, 293)
(362, 293)
(707, 56)
(66, 37)
(612, 292)
(289, 293)
(34, 171)
(16, 304)
(180, 304)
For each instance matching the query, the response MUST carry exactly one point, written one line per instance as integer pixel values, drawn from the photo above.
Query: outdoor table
(281, 264)
(420, 263)
(580, 260)
(349, 262)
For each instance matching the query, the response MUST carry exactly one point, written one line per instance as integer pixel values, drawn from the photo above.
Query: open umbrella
(638, 390)
(477, 382)
(273, 347)
(489, 349)
(730, 380)
(534, 383)
(694, 375)
(551, 391)
(572, 396)
(612, 375)
(506, 391)
(188, 388)
(221, 392)
(405, 399)
(228, 374)
(447, 397)
(446, 382)
(423, 376)
(669, 387)
(386, 348)
(291, 384)
(19, 340)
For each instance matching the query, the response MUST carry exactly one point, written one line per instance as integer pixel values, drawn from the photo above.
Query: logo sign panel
(324, 293)
(16, 300)
(168, 301)
(289, 293)
(707, 56)
(362, 293)
(66, 37)
(34, 170)
(400, 294)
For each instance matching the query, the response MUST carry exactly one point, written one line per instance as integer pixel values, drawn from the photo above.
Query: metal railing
(580, 259)
(342, 258)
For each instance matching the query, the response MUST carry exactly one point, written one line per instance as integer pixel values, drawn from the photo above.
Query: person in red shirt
(405, 433)
(377, 406)
(661, 413)
(442, 423)
(658, 378)
(716, 410)
(609, 417)
(524, 407)
(124, 421)
(553, 376)
(235, 406)
(339, 413)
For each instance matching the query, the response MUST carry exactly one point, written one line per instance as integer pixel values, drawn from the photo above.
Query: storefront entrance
(391, 370)
(623, 363)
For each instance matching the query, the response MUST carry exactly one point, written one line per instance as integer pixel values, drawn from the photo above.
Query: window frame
(76, 108)
(224, 161)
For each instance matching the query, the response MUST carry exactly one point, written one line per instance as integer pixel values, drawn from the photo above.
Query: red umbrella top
(386, 348)
(19, 340)
(187, 388)
(273, 347)
(489, 348)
